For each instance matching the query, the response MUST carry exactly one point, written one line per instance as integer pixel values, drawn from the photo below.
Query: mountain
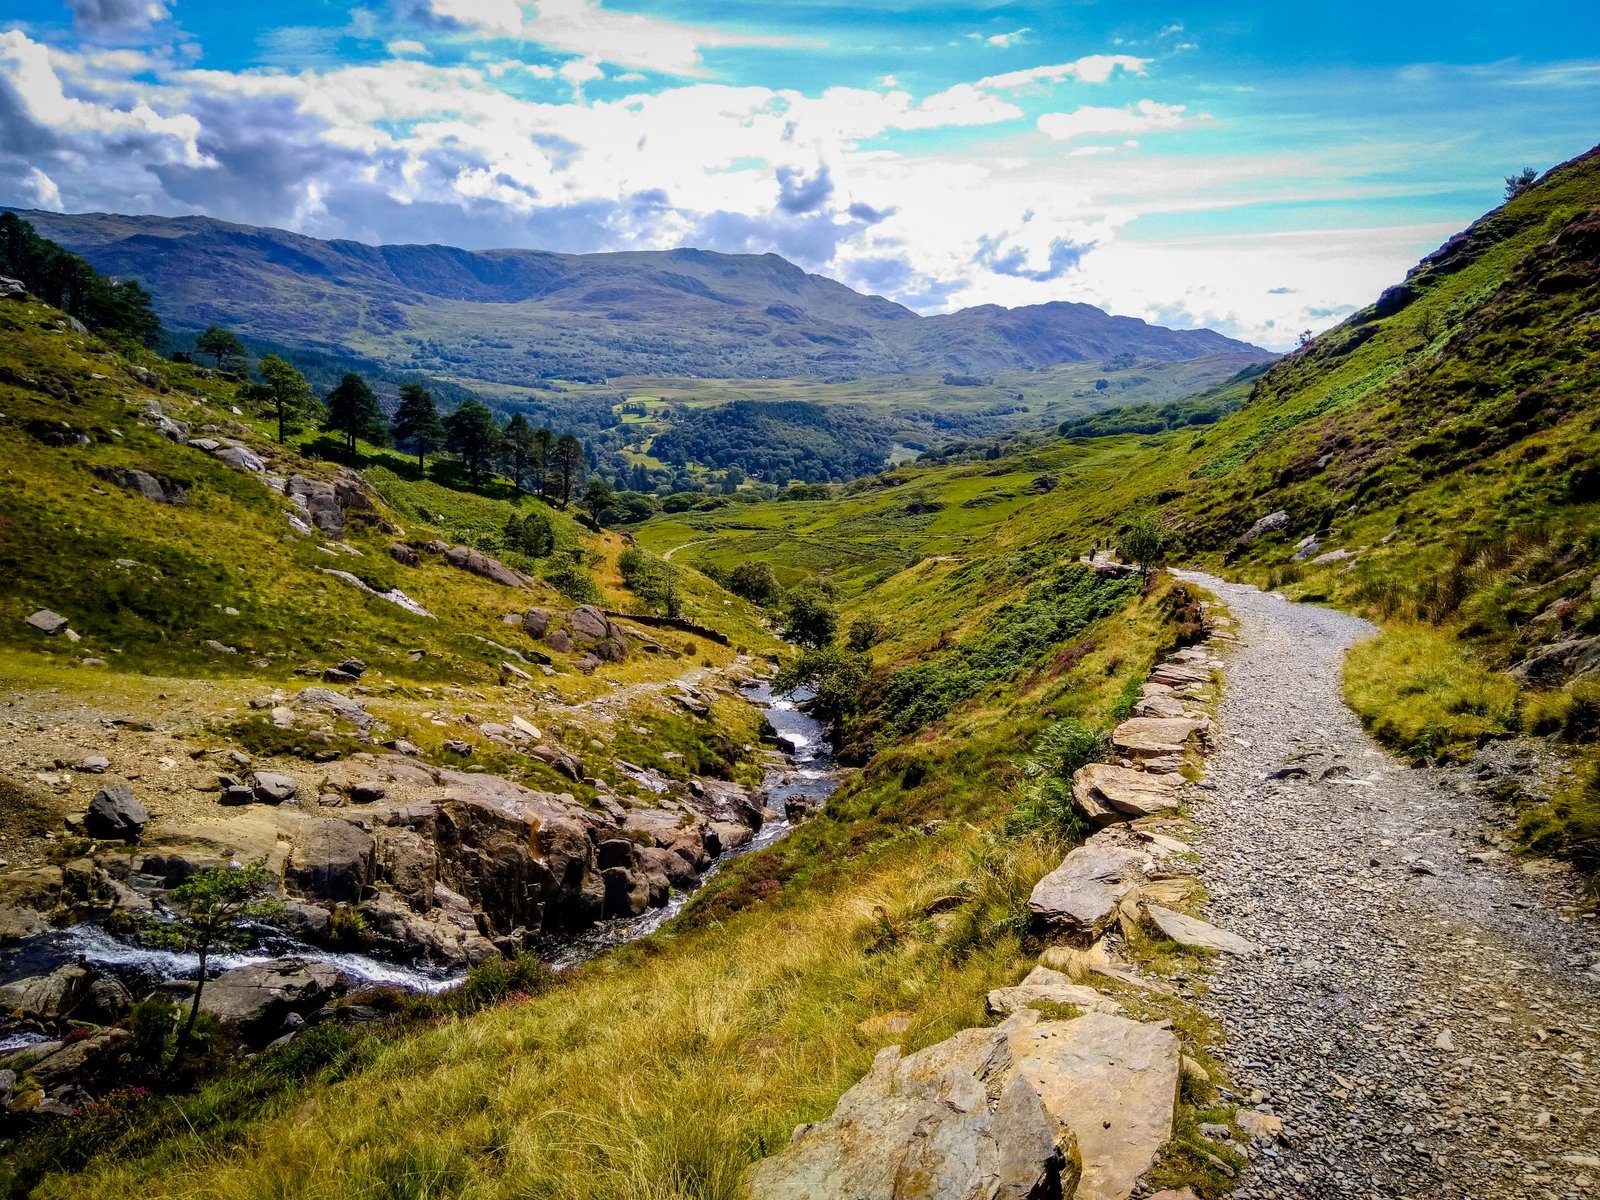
(511, 316)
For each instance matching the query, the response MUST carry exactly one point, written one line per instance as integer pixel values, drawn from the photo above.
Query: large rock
(115, 813)
(1104, 793)
(1271, 523)
(478, 563)
(254, 1000)
(272, 788)
(1080, 899)
(588, 623)
(49, 622)
(51, 998)
(1560, 661)
(957, 1121)
(1155, 737)
(87, 1062)
(320, 501)
(147, 485)
(1114, 1083)
(331, 860)
(446, 936)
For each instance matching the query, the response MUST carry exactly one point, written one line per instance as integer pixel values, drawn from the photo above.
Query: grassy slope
(1449, 444)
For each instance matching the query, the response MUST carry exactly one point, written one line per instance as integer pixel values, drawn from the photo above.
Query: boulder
(1554, 664)
(559, 640)
(1044, 986)
(254, 1000)
(536, 622)
(1195, 933)
(405, 555)
(1105, 793)
(115, 813)
(956, 1121)
(1271, 523)
(48, 999)
(49, 622)
(331, 859)
(588, 623)
(272, 788)
(337, 704)
(240, 458)
(478, 563)
(147, 485)
(319, 499)
(627, 893)
(1080, 899)
(87, 1062)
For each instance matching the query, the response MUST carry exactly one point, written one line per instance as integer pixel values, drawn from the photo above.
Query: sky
(1260, 168)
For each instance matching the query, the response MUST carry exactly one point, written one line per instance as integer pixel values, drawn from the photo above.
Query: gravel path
(1426, 1024)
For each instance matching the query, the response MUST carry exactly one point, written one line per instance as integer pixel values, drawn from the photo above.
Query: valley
(1305, 649)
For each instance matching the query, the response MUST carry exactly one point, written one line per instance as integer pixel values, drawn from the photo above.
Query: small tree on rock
(213, 904)
(284, 394)
(1520, 182)
(417, 421)
(353, 412)
(224, 346)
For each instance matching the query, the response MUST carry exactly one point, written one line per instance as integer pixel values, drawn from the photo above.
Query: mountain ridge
(683, 312)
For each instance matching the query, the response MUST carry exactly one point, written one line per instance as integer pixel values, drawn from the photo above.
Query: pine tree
(543, 458)
(417, 420)
(472, 433)
(353, 411)
(517, 447)
(569, 465)
(285, 394)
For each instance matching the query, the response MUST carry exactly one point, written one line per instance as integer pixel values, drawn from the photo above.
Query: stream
(797, 787)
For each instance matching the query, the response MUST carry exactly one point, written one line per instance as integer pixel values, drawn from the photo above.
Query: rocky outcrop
(331, 860)
(157, 491)
(1273, 522)
(326, 502)
(476, 562)
(1105, 794)
(1560, 661)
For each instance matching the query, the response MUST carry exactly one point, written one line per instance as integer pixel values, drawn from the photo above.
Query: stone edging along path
(1039, 1107)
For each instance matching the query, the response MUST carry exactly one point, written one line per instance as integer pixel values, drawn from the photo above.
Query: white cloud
(403, 49)
(1146, 116)
(495, 16)
(1091, 68)
(45, 192)
(1003, 41)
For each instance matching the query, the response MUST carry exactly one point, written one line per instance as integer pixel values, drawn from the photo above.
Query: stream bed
(799, 786)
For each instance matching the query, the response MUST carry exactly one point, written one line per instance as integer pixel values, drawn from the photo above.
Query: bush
(866, 632)
(533, 535)
(756, 582)
(567, 574)
(496, 980)
(812, 620)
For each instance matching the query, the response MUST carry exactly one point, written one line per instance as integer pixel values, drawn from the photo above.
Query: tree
(472, 433)
(1144, 543)
(212, 904)
(285, 394)
(417, 420)
(532, 535)
(516, 445)
(836, 676)
(542, 458)
(354, 412)
(598, 498)
(569, 465)
(1520, 182)
(812, 620)
(224, 346)
(756, 582)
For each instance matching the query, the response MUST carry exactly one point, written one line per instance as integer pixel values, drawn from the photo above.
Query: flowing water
(803, 783)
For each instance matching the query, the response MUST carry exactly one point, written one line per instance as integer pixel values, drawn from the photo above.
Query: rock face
(331, 860)
(255, 1000)
(478, 563)
(50, 998)
(325, 501)
(957, 1121)
(1561, 660)
(115, 813)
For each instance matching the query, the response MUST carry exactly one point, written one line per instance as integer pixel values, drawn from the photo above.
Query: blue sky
(1258, 168)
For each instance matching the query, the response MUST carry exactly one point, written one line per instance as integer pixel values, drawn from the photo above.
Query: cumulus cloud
(1061, 257)
(799, 194)
(1147, 116)
(1092, 68)
(97, 15)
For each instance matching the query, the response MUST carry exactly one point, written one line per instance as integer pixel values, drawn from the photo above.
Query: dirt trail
(1427, 1025)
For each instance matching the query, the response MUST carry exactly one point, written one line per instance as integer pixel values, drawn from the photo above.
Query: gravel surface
(1424, 1014)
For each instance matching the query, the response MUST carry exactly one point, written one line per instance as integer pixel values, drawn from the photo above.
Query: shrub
(533, 535)
(567, 574)
(756, 582)
(812, 620)
(865, 632)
